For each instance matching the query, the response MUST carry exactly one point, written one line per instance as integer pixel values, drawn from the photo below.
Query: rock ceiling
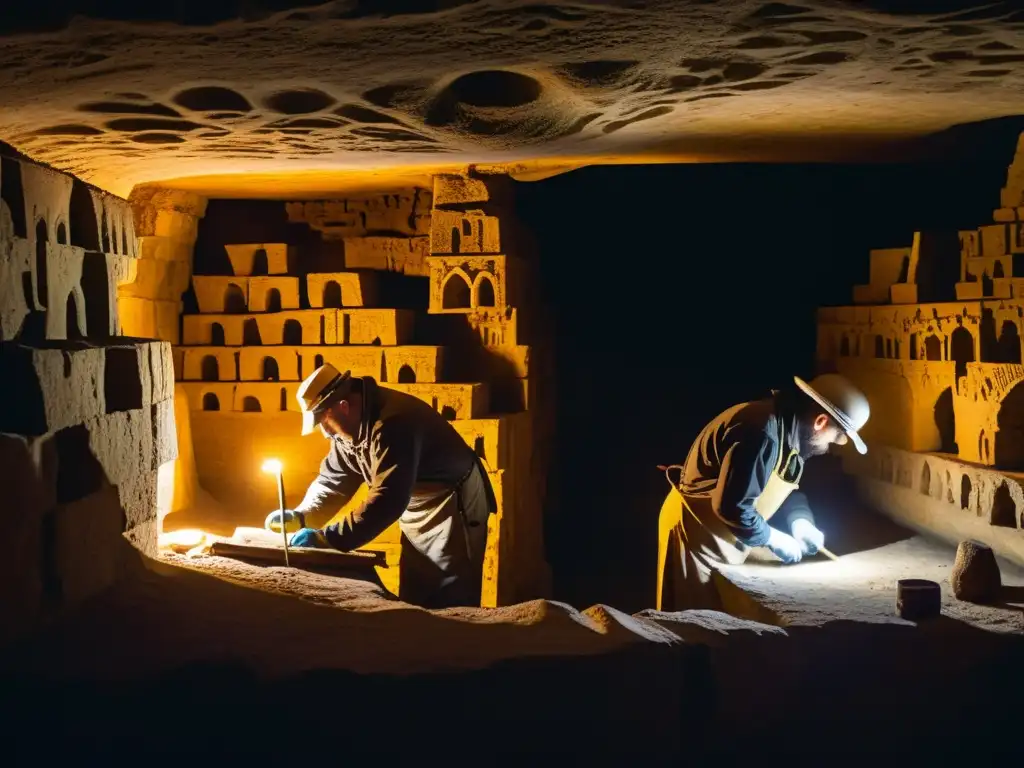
(297, 96)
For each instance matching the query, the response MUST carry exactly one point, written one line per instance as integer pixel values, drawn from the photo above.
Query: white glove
(784, 546)
(294, 521)
(810, 538)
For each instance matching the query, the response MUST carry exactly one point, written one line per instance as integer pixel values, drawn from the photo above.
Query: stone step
(387, 327)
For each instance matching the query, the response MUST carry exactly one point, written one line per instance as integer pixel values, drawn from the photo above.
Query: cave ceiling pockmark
(118, 101)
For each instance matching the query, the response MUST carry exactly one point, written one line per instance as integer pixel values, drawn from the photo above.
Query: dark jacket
(408, 455)
(730, 463)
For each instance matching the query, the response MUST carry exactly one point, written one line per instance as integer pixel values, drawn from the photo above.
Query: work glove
(293, 520)
(309, 537)
(810, 538)
(784, 546)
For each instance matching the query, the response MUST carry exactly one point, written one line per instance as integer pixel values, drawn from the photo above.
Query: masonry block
(138, 498)
(87, 545)
(410, 365)
(289, 327)
(15, 269)
(158, 279)
(261, 258)
(272, 294)
(507, 362)
(994, 240)
(903, 293)
(362, 361)
(1003, 215)
(65, 302)
(491, 439)
(165, 435)
(270, 364)
(453, 401)
(221, 295)
(127, 378)
(456, 190)
(266, 396)
(341, 289)
(209, 364)
(394, 254)
(971, 291)
(455, 232)
(495, 327)
(165, 249)
(213, 329)
(149, 319)
(462, 284)
(123, 444)
(387, 327)
(145, 536)
(50, 387)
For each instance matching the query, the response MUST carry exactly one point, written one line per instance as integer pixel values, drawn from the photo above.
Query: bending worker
(741, 474)
(418, 470)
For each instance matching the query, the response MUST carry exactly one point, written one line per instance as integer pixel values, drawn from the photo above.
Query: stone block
(387, 327)
(15, 269)
(177, 225)
(411, 365)
(994, 240)
(127, 378)
(158, 279)
(455, 190)
(213, 330)
(144, 537)
(453, 401)
(341, 289)
(507, 362)
(61, 287)
(209, 395)
(123, 444)
(221, 295)
(161, 365)
(165, 249)
(265, 396)
(362, 361)
(209, 364)
(463, 284)
(261, 258)
(137, 496)
(1003, 215)
(472, 232)
(969, 291)
(871, 294)
(50, 387)
(86, 540)
(903, 293)
(270, 363)
(493, 440)
(975, 575)
(165, 436)
(495, 327)
(289, 327)
(272, 294)
(394, 254)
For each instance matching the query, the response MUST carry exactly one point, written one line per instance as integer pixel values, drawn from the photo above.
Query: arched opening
(1008, 344)
(879, 346)
(447, 412)
(904, 270)
(62, 233)
(485, 292)
(105, 243)
(1004, 511)
(211, 402)
(961, 348)
(251, 404)
(318, 361)
(926, 479)
(965, 492)
(456, 293)
(844, 347)
(283, 402)
(456, 240)
(42, 286)
(216, 335)
(1009, 439)
(292, 332)
(888, 348)
(260, 264)
(332, 295)
(913, 347)
(210, 368)
(933, 348)
(986, 285)
(251, 333)
(467, 228)
(895, 350)
(406, 375)
(945, 421)
(273, 302)
(478, 447)
(270, 370)
(71, 318)
(124, 241)
(82, 218)
(234, 300)
(997, 270)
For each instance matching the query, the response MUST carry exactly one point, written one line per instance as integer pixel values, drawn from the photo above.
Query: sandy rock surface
(171, 91)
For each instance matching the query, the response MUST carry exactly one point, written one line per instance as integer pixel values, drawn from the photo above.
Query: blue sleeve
(742, 478)
(395, 458)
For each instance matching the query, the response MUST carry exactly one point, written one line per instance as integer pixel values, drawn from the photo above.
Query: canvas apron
(443, 544)
(692, 539)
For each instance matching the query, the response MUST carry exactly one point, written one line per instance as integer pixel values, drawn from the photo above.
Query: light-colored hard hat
(842, 401)
(317, 390)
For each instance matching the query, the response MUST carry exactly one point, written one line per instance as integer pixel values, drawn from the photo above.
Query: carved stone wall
(935, 343)
(86, 414)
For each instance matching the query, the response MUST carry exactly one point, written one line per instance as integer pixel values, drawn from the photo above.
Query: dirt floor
(196, 651)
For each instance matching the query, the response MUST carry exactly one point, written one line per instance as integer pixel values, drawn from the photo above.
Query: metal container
(918, 599)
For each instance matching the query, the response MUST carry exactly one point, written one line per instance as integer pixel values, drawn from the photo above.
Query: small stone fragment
(975, 576)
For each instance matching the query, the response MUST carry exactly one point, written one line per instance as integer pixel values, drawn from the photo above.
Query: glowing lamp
(273, 467)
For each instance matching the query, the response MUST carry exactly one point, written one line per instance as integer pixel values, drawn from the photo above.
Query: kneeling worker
(418, 470)
(742, 472)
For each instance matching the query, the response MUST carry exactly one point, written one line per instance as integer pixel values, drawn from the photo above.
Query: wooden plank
(301, 557)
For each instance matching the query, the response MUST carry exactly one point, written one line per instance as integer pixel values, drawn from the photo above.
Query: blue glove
(309, 537)
(784, 546)
(293, 520)
(810, 538)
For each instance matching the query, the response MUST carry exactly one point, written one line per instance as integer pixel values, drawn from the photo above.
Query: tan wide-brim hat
(320, 387)
(841, 400)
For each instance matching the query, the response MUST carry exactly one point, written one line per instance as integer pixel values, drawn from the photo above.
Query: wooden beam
(302, 557)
